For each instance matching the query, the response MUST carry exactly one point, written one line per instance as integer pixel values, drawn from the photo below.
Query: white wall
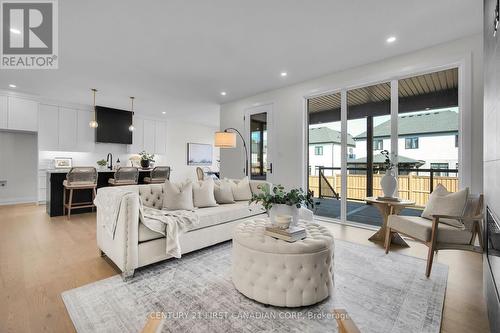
(178, 136)
(18, 152)
(289, 107)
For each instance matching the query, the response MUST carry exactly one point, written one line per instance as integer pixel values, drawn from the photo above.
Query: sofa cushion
(178, 196)
(225, 213)
(223, 192)
(203, 193)
(442, 202)
(421, 229)
(211, 216)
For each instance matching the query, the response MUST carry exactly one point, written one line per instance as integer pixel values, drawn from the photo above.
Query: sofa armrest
(122, 249)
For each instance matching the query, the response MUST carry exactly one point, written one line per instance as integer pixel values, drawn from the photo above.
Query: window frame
(318, 149)
(413, 140)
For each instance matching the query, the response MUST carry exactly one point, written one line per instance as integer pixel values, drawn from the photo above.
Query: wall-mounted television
(113, 125)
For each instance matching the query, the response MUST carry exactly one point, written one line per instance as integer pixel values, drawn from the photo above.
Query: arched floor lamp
(226, 139)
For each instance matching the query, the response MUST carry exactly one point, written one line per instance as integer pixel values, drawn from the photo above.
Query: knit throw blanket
(170, 223)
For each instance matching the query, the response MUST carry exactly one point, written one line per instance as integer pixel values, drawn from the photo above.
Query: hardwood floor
(40, 257)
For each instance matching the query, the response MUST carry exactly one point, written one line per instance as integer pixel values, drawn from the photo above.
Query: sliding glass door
(414, 119)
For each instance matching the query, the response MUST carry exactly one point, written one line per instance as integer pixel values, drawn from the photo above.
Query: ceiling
(177, 56)
(412, 86)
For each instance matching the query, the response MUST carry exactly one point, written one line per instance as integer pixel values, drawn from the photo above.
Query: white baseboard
(15, 201)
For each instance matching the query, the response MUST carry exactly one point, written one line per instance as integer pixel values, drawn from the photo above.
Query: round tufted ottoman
(279, 273)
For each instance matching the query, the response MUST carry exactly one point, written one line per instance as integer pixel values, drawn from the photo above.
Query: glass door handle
(270, 169)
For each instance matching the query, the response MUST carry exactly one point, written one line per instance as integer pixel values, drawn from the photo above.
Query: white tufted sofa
(134, 245)
(279, 273)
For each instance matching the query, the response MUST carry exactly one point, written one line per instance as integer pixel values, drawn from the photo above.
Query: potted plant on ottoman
(280, 202)
(146, 159)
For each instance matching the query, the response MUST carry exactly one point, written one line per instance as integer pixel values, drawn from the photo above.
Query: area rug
(381, 293)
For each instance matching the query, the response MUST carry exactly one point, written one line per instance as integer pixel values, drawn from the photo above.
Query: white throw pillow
(203, 193)
(178, 196)
(241, 189)
(442, 202)
(223, 192)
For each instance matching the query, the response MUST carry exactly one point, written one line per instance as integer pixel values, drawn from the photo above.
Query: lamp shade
(225, 140)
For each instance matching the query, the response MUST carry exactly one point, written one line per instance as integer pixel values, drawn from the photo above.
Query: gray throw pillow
(203, 193)
(223, 192)
(442, 202)
(178, 196)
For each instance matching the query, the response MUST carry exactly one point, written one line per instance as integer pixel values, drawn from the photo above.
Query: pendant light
(93, 123)
(131, 127)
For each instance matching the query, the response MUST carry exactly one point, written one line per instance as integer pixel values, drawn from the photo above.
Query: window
(378, 144)
(411, 143)
(351, 154)
(440, 166)
(318, 150)
(456, 140)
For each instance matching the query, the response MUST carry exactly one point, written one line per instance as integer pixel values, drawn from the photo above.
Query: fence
(412, 187)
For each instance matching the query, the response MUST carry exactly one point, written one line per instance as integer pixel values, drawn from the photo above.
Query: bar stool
(79, 178)
(125, 176)
(200, 173)
(158, 175)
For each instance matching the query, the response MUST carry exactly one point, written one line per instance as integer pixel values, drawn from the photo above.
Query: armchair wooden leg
(430, 258)
(388, 239)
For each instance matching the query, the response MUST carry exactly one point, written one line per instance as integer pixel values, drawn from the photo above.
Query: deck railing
(413, 184)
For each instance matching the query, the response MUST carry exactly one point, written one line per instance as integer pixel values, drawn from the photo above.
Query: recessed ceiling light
(12, 85)
(391, 39)
(223, 93)
(283, 74)
(164, 112)
(15, 31)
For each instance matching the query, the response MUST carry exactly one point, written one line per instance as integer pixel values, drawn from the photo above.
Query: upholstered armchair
(442, 231)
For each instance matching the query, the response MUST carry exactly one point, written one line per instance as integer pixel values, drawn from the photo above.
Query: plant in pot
(277, 201)
(388, 182)
(102, 164)
(146, 159)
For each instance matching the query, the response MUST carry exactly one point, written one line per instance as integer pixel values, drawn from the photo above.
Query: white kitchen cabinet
(22, 114)
(86, 134)
(160, 138)
(149, 136)
(137, 137)
(68, 129)
(3, 112)
(48, 127)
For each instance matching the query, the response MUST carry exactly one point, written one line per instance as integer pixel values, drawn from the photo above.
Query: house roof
(328, 135)
(379, 159)
(422, 123)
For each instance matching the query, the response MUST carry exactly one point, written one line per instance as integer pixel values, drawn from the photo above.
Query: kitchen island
(55, 189)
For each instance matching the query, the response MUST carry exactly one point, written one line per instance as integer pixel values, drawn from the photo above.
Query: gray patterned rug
(381, 293)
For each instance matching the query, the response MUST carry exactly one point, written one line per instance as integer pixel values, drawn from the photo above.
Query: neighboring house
(430, 137)
(324, 148)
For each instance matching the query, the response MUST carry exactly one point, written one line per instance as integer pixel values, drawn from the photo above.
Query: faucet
(109, 160)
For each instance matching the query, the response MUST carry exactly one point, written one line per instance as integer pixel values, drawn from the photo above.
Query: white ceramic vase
(282, 209)
(389, 183)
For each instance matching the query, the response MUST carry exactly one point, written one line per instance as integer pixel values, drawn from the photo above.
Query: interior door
(258, 136)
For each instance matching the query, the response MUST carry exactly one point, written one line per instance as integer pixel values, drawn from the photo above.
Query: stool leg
(70, 202)
(64, 201)
(93, 198)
